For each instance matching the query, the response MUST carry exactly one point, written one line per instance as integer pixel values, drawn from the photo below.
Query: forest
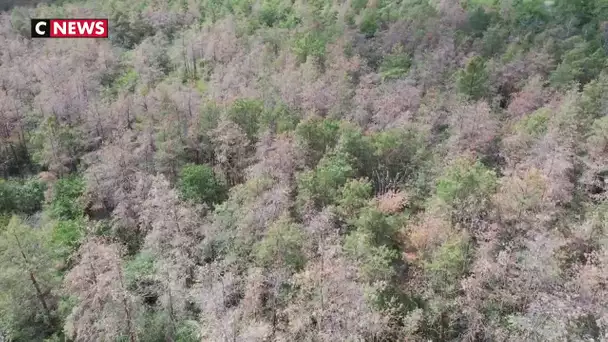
(305, 171)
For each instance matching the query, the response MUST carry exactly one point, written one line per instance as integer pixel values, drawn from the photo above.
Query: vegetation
(274, 170)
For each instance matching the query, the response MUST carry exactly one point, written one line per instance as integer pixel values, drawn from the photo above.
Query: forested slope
(276, 170)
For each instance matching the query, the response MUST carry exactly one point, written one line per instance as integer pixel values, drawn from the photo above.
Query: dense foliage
(274, 170)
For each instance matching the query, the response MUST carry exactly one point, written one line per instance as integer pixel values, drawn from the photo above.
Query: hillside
(291, 170)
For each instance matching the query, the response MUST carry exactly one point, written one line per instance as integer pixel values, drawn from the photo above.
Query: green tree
(582, 63)
(27, 304)
(58, 145)
(282, 246)
(200, 184)
(322, 185)
(359, 146)
(354, 195)
(369, 22)
(316, 136)
(246, 113)
(472, 80)
(465, 188)
(449, 262)
(310, 44)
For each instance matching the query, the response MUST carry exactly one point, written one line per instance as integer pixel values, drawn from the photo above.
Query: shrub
(369, 22)
(66, 203)
(395, 65)
(200, 184)
(21, 196)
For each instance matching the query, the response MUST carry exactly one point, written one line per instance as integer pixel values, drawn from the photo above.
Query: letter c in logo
(40, 32)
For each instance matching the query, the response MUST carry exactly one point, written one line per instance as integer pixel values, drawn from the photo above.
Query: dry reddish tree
(499, 274)
(331, 305)
(438, 62)
(231, 147)
(557, 163)
(473, 127)
(236, 67)
(217, 292)
(150, 59)
(173, 237)
(289, 80)
(277, 157)
(392, 201)
(106, 310)
(387, 105)
(523, 198)
(111, 174)
(529, 99)
(511, 77)
(328, 91)
(64, 93)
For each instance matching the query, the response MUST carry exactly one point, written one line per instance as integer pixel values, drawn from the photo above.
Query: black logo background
(46, 29)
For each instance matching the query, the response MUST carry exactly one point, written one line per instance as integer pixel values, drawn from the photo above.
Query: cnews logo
(69, 28)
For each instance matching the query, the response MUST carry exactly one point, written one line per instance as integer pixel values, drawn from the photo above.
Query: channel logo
(69, 28)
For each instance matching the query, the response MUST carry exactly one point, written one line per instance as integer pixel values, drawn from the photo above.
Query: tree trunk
(125, 303)
(39, 293)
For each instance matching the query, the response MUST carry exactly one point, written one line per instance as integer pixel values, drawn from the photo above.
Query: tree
(151, 59)
(200, 184)
(105, 310)
(59, 146)
(474, 128)
(28, 307)
(173, 238)
(472, 80)
(465, 189)
(282, 246)
(247, 113)
(321, 186)
(230, 147)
